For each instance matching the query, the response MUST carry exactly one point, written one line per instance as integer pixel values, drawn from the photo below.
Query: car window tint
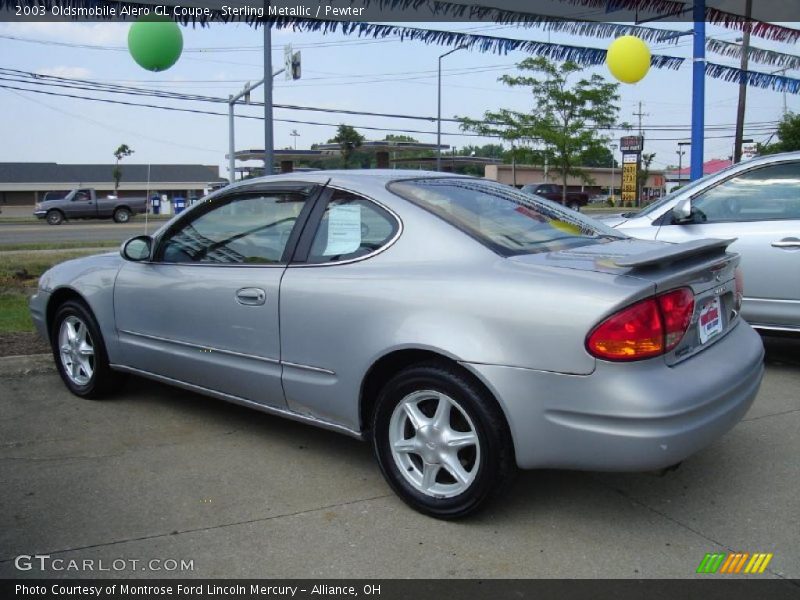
(765, 194)
(350, 227)
(252, 229)
(503, 218)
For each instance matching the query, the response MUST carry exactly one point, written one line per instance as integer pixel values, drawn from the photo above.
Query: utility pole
(740, 110)
(640, 114)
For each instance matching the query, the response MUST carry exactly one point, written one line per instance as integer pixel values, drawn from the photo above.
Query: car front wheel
(442, 443)
(55, 217)
(79, 351)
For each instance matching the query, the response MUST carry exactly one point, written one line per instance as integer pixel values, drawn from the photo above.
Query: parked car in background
(755, 203)
(83, 203)
(461, 326)
(554, 192)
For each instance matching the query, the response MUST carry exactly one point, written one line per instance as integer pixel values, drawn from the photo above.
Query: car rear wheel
(55, 217)
(122, 215)
(575, 206)
(442, 443)
(79, 351)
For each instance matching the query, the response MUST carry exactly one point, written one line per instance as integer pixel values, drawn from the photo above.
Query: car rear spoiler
(674, 252)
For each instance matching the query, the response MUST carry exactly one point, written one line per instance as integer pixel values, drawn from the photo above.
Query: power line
(28, 78)
(296, 121)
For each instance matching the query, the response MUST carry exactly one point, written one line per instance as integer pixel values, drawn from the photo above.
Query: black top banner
(500, 11)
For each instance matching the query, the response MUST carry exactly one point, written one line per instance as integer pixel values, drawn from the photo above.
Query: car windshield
(503, 218)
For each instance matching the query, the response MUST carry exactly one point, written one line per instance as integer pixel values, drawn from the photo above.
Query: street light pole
(613, 170)
(269, 149)
(681, 153)
(439, 109)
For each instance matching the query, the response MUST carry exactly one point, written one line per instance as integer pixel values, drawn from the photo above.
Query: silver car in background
(462, 327)
(758, 203)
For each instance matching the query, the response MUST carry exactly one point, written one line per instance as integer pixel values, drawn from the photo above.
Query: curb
(31, 364)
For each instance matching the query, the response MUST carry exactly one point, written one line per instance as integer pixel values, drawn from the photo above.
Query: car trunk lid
(704, 266)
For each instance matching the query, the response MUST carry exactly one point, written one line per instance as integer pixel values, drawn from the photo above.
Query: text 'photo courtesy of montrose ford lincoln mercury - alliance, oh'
(462, 327)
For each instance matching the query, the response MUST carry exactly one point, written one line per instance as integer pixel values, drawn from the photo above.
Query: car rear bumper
(628, 417)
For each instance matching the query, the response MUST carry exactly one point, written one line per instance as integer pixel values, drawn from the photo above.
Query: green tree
(349, 140)
(567, 116)
(644, 172)
(120, 153)
(598, 156)
(788, 136)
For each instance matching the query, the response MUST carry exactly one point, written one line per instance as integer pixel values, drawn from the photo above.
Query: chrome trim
(386, 246)
(229, 352)
(274, 410)
(774, 328)
(199, 346)
(286, 363)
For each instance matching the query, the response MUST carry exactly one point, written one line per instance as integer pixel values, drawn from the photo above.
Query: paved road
(163, 474)
(76, 231)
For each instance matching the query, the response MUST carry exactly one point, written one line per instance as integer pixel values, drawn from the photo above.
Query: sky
(339, 72)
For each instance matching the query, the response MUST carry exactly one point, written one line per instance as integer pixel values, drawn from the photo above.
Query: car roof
(382, 176)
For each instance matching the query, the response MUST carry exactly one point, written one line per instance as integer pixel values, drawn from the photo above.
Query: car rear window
(506, 220)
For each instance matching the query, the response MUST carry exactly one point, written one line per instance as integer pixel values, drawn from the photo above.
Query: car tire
(122, 215)
(54, 217)
(80, 352)
(575, 206)
(449, 462)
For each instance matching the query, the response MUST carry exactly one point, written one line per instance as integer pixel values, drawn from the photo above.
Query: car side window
(247, 229)
(766, 194)
(82, 196)
(351, 226)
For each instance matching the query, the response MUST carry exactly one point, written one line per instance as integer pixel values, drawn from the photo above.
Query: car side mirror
(682, 212)
(137, 248)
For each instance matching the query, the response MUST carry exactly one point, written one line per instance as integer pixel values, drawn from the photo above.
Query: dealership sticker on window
(710, 322)
(344, 230)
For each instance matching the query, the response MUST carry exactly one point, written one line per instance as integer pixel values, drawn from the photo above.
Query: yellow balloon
(628, 59)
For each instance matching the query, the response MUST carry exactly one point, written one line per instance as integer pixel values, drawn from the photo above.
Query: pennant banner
(759, 55)
(779, 83)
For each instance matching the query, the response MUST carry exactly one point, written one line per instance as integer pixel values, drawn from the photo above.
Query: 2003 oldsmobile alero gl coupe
(463, 327)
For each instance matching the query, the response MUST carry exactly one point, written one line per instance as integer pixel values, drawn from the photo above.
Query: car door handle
(787, 243)
(251, 296)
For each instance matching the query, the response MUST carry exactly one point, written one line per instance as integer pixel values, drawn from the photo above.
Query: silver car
(758, 203)
(462, 327)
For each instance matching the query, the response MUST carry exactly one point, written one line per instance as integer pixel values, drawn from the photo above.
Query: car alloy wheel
(434, 444)
(54, 217)
(80, 352)
(77, 350)
(441, 440)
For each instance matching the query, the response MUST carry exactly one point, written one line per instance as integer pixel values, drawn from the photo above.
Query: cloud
(63, 71)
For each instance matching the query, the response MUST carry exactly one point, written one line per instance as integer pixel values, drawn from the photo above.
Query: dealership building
(24, 184)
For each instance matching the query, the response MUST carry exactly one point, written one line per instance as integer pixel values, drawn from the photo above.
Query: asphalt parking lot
(159, 473)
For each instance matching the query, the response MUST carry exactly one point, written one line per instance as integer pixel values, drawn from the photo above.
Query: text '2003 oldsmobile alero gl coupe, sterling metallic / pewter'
(463, 327)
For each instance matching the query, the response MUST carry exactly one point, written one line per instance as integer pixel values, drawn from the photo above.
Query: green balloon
(155, 45)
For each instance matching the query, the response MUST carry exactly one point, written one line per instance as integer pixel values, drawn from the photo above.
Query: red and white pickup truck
(83, 203)
(553, 191)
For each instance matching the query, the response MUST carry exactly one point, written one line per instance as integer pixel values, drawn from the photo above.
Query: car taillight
(738, 295)
(648, 328)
